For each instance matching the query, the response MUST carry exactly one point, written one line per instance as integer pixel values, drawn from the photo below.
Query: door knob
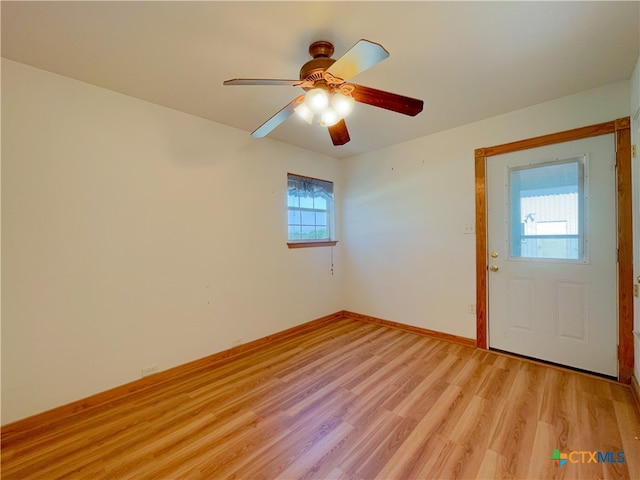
(494, 268)
(494, 254)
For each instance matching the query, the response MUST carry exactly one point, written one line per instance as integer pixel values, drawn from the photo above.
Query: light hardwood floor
(349, 400)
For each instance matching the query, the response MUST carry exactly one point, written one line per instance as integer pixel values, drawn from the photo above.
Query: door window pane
(546, 204)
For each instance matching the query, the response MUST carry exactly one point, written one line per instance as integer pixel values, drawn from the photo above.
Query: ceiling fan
(328, 94)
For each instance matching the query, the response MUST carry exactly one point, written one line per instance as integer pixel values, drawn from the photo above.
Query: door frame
(624, 202)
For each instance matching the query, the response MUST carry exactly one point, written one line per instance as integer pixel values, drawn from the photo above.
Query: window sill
(322, 243)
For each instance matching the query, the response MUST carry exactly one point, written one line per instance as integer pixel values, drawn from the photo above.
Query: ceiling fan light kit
(342, 104)
(328, 93)
(304, 112)
(317, 100)
(332, 104)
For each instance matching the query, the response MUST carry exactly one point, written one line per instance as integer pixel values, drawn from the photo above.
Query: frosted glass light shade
(304, 112)
(316, 100)
(342, 104)
(329, 117)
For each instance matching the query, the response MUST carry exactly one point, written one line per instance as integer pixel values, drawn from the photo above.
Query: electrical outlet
(469, 229)
(146, 371)
(472, 308)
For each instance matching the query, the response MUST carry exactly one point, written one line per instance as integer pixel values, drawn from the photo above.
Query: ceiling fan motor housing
(321, 52)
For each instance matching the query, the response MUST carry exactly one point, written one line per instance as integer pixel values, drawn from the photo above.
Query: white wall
(406, 207)
(134, 235)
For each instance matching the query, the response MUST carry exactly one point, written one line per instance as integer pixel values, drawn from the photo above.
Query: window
(310, 211)
(547, 210)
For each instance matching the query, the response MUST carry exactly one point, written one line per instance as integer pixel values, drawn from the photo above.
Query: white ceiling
(466, 60)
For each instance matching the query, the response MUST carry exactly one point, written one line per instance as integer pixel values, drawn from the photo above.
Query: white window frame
(314, 188)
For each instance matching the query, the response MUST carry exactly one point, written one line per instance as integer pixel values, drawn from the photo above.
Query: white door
(552, 254)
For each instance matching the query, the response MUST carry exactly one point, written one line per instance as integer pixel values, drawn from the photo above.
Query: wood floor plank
(370, 437)
(472, 432)
(545, 441)
(515, 432)
(489, 465)
(246, 446)
(413, 451)
(347, 400)
(448, 462)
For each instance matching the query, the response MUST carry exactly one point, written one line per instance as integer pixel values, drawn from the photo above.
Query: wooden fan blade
(278, 118)
(387, 100)
(339, 133)
(362, 56)
(261, 81)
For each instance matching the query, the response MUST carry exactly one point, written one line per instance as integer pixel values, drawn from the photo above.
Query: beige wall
(134, 235)
(406, 207)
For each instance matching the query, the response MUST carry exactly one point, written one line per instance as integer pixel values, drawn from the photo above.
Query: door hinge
(633, 151)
